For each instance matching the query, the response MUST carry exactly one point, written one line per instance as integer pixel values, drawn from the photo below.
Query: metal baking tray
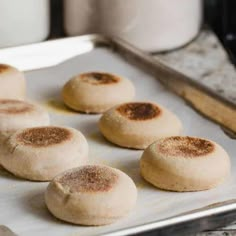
(47, 67)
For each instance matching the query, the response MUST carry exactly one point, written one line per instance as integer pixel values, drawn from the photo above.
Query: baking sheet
(22, 205)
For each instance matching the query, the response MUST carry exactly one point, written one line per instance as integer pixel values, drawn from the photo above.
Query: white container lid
(23, 21)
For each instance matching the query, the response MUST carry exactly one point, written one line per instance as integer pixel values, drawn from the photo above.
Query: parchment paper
(22, 206)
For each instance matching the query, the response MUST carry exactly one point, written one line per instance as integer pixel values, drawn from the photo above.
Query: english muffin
(12, 83)
(41, 153)
(138, 124)
(96, 92)
(15, 114)
(185, 164)
(91, 195)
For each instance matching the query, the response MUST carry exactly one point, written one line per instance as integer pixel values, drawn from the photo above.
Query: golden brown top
(3, 68)
(90, 178)
(139, 110)
(98, 78)
(43, 136)
(185, 146)
(8, 106)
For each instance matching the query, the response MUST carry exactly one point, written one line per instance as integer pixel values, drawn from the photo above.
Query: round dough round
(15, 114)
(138, 124)
(96, 92)
(12, 83)
(41, 153)
(185, 164)
(91, 195)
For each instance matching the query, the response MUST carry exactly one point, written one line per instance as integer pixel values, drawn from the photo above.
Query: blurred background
(154, 25)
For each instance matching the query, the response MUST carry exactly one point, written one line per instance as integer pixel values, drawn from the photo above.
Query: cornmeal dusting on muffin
(8, 106)
(139, 111)
(97, 78)
(185, 146)
(43, 136)
(89, 179)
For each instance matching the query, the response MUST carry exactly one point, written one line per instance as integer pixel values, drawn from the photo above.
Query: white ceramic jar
(152, 25)
(23, 21)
